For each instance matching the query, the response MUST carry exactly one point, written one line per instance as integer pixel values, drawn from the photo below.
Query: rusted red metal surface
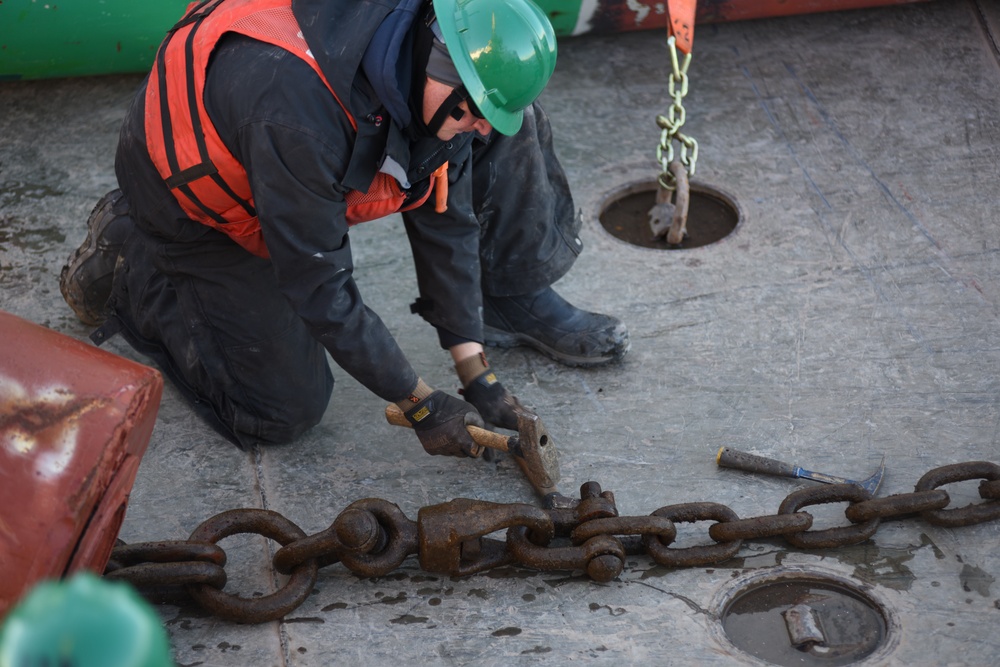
(738, 10)
(610, 16)
(74, 423)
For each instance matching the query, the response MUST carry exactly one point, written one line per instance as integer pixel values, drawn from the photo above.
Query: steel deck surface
(855, 312)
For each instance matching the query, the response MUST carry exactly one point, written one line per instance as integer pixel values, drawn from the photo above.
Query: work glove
(440, 420)
(496, 405)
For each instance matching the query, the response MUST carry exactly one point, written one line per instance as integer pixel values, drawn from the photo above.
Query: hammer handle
(734, 458)
(480, 436)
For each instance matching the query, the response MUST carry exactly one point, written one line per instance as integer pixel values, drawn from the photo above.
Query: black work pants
(211, 316)
(530, 230)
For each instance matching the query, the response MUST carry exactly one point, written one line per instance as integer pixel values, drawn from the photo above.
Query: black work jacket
(302, 156)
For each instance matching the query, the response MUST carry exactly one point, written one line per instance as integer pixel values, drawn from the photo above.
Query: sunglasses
(458, 113)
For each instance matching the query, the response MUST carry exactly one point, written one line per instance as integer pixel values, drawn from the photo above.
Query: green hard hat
(84, 622)
(504, 51)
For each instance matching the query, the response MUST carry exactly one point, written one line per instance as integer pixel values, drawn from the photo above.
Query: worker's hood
(375, 36)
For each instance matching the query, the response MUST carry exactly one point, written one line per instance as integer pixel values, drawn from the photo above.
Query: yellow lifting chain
(669, 218)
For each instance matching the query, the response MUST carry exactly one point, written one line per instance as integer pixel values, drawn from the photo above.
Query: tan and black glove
(483, 390)
(440, 420)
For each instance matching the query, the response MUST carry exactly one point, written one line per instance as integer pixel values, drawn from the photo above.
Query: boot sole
(505, 339)
(71, 292)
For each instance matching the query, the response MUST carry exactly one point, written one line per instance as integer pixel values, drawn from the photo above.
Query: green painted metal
(53, 38)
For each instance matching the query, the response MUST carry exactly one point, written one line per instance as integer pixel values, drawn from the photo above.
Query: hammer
(531, 448)
(733, 458)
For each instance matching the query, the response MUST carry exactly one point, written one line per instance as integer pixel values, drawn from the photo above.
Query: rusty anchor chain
(372, 537)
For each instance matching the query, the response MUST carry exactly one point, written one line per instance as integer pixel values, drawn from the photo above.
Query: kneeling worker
(264, 131)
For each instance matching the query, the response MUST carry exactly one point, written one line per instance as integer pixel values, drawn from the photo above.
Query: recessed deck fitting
(712, 215)
(797, 617)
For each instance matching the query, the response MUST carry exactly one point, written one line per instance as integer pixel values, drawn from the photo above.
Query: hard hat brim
(452, 18)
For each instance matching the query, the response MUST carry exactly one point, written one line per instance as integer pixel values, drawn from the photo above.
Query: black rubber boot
(548, 323)
(85, 280)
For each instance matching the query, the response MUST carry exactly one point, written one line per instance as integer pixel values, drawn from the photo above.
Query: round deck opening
(712, 216)
(804, 618)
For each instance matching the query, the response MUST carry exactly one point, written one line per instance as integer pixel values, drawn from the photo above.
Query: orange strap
(441, 188)
(681, 26)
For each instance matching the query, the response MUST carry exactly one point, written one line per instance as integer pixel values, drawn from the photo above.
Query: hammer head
(536, 453)
(872, 483)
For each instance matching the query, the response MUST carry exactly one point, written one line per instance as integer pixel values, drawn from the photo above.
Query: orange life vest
(208, 182)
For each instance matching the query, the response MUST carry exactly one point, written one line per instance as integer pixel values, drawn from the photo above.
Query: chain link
(670, 124)
(372, 537)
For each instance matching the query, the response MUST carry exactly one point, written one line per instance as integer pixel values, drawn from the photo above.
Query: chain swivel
(451, 535)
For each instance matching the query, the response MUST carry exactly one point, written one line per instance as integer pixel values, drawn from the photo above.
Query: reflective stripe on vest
(208, 182)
